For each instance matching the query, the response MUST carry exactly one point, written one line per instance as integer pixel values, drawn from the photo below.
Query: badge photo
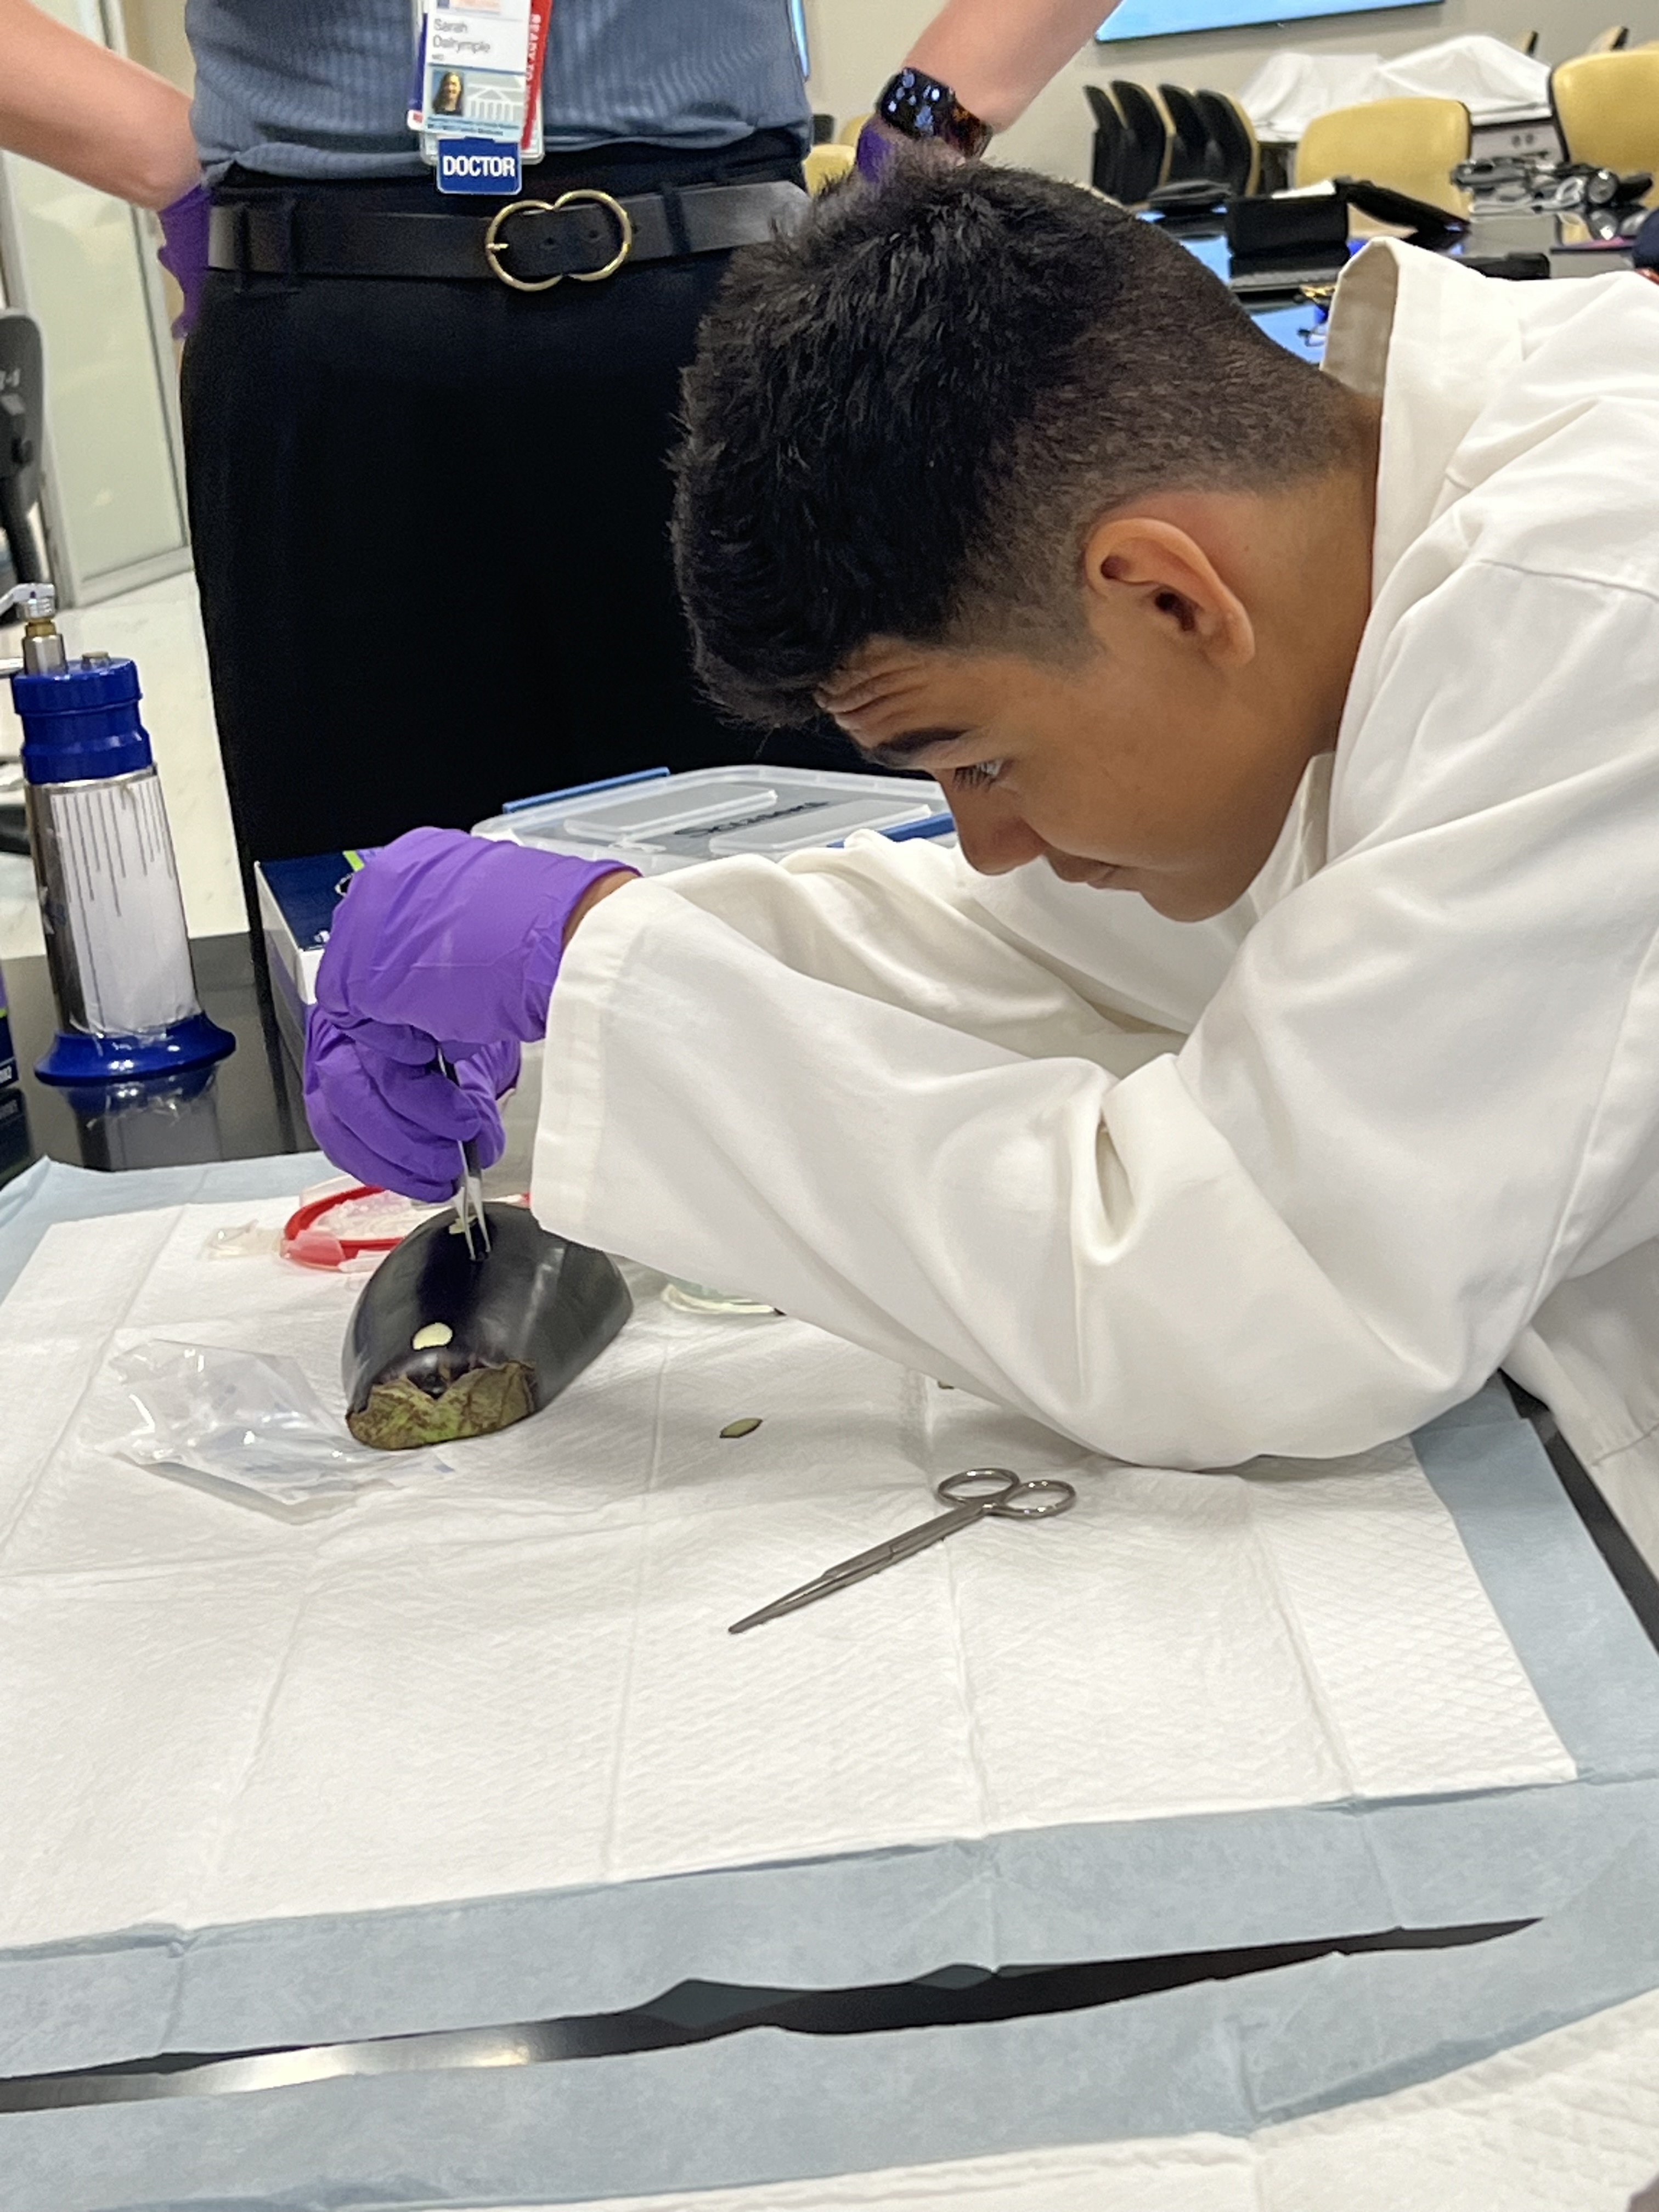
(490, 101)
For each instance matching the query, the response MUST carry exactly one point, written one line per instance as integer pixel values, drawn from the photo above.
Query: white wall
(858, 44)
(153, 32)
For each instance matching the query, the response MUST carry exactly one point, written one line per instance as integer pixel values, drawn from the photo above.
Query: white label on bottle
(123, 916)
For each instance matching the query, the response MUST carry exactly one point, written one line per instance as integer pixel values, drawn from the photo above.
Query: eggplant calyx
(398, 1414)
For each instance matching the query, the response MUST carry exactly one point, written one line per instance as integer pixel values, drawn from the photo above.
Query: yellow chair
(1411, 145)
(1606, 109)
(848, 133)
(824, 164)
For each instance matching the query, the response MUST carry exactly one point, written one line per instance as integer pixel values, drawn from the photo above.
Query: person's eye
(978, 775)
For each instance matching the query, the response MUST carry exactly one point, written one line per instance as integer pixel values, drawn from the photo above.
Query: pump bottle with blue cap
(110, 902)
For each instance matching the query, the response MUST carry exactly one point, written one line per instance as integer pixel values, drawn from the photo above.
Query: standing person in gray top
(320, 88)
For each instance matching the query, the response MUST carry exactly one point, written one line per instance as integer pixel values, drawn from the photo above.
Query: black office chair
(1148, 157)
(1191, 154)
(23, 394)
(1233, 137)
(1112, 148)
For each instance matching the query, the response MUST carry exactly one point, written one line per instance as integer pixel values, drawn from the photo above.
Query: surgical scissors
(972, 1495)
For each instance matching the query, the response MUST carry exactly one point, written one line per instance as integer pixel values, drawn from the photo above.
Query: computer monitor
(1158, 19)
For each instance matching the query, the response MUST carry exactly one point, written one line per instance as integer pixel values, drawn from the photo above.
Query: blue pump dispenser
(110, 904)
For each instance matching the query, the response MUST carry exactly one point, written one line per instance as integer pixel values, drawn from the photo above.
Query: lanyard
(540, 11)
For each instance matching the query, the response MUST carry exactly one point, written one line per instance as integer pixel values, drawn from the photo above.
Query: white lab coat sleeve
(1022, 960)
(1422, 1087)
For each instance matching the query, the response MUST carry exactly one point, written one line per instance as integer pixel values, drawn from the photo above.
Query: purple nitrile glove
(878, 147)
(399, 1126)
(183, 252)
(443, 944)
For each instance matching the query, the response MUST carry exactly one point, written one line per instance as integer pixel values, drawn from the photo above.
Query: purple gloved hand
(396, 1125)
(444, 944)
(878, 147)
(183, 251)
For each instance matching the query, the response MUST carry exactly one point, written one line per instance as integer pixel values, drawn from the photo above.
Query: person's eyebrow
(898, 752)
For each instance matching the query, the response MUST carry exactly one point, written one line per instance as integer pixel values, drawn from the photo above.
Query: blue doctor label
(478, 165)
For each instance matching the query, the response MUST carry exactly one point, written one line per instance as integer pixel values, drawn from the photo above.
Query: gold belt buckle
(495, 245)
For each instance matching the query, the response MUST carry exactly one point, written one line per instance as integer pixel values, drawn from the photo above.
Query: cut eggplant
(442, 1346)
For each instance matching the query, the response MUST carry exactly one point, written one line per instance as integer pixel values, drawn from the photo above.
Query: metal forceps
(469, 1216)
(972, 1494)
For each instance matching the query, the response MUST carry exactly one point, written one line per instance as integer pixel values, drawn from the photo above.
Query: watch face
(921, 107)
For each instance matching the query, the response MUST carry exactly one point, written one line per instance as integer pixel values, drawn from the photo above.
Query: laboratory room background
(829, 1105)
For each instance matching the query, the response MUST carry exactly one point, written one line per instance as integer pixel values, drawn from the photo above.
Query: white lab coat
(1291, 1181)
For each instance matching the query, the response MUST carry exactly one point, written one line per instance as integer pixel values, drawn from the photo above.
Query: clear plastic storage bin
(655, 822)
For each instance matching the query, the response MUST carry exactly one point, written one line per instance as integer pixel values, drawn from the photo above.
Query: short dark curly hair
(904, 418)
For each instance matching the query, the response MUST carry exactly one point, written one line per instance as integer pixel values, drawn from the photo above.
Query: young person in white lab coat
(1281, 1052)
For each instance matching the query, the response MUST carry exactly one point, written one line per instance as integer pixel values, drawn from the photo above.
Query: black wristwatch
(920, 106)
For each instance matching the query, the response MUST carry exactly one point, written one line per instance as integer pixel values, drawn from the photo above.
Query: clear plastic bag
(241, 1240)
(245, 1426)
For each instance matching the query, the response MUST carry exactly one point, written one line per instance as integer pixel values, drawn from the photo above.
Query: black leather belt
(529, 244)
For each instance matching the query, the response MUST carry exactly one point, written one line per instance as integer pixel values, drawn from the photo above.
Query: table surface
(247, 1107)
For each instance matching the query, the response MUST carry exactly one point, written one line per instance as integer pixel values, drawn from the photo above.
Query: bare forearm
(997, 55)
(74, 105)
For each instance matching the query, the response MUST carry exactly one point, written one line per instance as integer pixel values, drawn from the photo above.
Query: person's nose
(995, 836)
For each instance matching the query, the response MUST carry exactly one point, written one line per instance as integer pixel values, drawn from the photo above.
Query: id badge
(476, 101)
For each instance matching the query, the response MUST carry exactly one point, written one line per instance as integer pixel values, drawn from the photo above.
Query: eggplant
(441, 1346)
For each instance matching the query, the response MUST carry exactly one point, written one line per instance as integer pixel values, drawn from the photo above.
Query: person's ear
(1135, 566)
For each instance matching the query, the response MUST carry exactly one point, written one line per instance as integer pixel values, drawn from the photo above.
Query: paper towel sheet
(515, 1677)
(1567, 2124)
(1196, 2174)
